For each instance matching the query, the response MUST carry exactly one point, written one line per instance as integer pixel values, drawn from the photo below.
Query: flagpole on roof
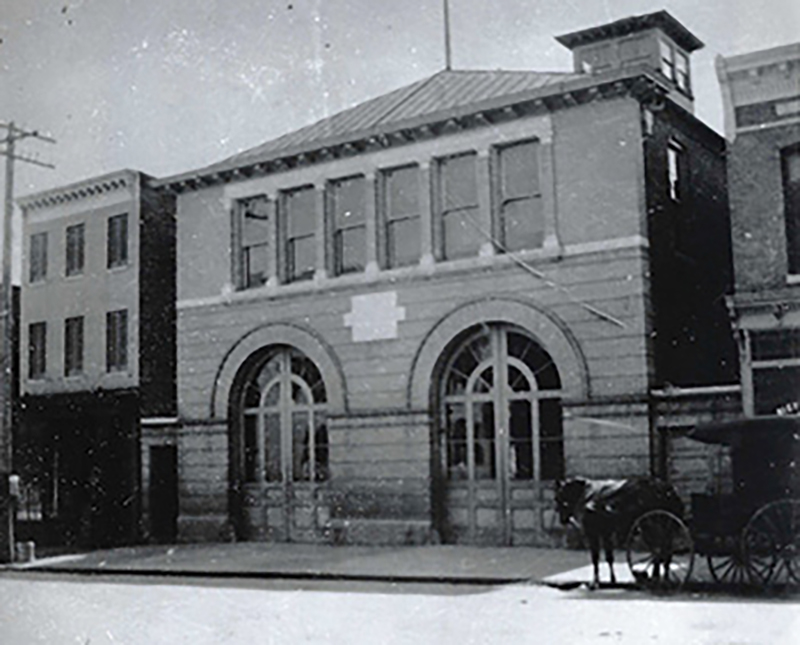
(447, 55)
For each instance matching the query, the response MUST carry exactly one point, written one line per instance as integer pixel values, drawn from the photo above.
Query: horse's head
(569, 495)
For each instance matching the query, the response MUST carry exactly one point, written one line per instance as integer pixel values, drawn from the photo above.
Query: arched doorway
(281, 410)
(500, 429)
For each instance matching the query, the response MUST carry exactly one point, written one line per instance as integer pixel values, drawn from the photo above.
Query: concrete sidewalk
(452, 564)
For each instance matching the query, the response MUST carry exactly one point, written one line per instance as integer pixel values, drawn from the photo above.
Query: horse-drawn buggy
(753, 534)
(748, 536)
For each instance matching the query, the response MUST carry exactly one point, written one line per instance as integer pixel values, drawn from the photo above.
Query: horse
(606, 509)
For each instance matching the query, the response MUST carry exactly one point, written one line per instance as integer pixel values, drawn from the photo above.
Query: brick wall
(588, 307)
(756, 193)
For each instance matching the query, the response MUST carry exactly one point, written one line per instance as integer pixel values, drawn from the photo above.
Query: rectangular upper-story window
(38, 257)
(349, 219)
(682, 71)
(74, 254)
(73, 346)
(458, 207)
(520, 211)
(37, 350)
(117, 340)
(402, 217)
(675, 65)
(667, 59)
(676, 171)
(790, 160)
(117, 246)
(299, 227)
(254, 235)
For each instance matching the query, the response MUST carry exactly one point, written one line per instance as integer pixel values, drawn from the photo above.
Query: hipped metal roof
(445, 91)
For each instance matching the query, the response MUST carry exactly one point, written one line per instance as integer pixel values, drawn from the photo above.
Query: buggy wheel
(729, 568)
(660, 551)
(771, 543)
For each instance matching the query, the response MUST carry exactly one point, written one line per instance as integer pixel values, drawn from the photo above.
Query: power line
(543, 277)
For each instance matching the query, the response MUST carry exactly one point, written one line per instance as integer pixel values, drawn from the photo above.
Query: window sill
(793, 278)
(426, 269)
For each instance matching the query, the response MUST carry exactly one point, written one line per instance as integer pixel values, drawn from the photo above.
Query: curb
(275, 575)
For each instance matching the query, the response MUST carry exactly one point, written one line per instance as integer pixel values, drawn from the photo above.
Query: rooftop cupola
(655, 39)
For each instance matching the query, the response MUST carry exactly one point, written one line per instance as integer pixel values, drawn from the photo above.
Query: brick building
(98, 361)
(403, 322)
(761, 97)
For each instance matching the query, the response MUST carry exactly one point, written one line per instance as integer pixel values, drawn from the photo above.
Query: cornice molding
(760, 61)
(86, 189)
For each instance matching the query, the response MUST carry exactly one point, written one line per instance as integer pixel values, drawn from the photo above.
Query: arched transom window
(501, 408)
(284, 420)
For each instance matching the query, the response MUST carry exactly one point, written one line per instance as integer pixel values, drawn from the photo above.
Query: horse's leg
(608, 540)
(594, 548)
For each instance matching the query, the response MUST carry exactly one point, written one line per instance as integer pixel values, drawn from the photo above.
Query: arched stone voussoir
(549, 330)
(305, 340)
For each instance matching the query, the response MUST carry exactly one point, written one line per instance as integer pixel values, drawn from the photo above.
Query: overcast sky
(166, 86)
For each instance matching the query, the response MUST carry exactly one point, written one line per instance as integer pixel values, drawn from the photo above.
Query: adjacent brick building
(98, 355)
(761, 95)
(402, 323)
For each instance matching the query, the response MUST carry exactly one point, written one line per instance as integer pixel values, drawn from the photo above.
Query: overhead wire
(543, 277)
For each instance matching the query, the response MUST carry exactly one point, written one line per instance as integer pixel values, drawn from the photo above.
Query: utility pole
(13, 134)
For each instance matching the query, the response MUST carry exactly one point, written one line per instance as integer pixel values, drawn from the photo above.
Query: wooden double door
(500, 436)
(285, 445)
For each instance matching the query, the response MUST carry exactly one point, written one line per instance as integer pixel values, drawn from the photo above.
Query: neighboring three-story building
(761, 97)
(404, 322)
(98, 360)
